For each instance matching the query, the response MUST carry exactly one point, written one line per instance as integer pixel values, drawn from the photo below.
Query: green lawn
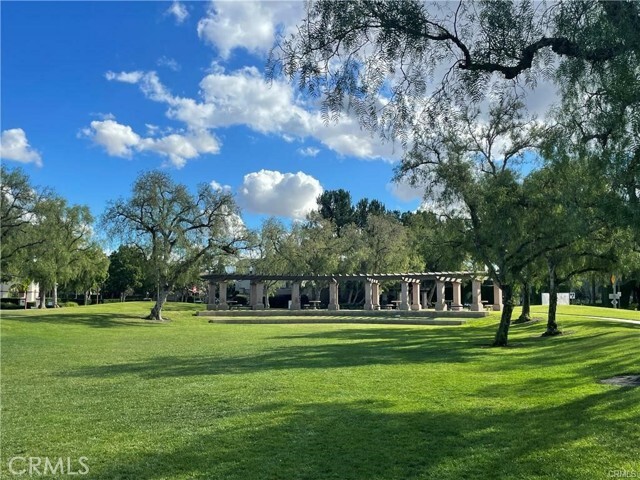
(188, 399)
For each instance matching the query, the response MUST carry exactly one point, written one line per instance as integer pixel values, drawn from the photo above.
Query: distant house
(13, 290)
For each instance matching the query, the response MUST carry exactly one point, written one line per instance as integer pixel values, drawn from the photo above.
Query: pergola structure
(409, 296)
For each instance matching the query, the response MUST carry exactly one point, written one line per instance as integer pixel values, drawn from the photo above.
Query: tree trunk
(43, 298)
(55, 295)
(593, 289)
(87, 294)
(552, 326)
(156, 311)
(502, 335)
(431, 293)
(350, 298)
(525, 316)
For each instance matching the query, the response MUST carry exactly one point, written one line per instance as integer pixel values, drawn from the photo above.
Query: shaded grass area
(187, 399)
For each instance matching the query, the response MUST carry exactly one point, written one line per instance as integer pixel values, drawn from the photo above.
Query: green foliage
(44, 239)
(126, 274)
(68, 233)
(179, 233)
(469, 157)
(92, 266)
(335, 205)
(69, 304)
(439, 242)
(428, 61)
(10, 306)
(20, 206)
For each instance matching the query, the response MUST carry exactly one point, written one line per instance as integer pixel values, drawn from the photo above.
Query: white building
(563, 299)
(11, 290)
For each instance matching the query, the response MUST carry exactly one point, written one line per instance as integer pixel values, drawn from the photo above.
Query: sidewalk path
(609, 319)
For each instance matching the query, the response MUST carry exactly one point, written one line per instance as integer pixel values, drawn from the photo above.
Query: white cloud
(126, 77)
(404, 191)
(245, 97)
(121, 141)
(179, 11)
(218, 186)
(116, 138)
(15, 146)
(309, 151)
(152, 129)
(180, 148)
(248, 24)
(170, 63)
(270, 192)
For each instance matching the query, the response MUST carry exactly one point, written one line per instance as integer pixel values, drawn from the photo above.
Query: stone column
(368, 304)
(257, 295)
(404, 296)
(295, 296)
(223, 305)
(441, 305)
(211, 300)
(456, 305)
(333, 296)
(497, 297)
(252, 294)
(375, 296)
(425, 299)
(476, 295)
(415, 304)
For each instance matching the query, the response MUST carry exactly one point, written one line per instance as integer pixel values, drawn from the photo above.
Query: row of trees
(46, 240)
(168, 237)
(344, 238)
(561, 194)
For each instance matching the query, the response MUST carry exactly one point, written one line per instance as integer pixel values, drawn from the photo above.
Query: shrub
(9, 306)
(69, 304)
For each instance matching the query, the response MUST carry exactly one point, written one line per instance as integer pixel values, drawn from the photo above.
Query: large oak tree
(179, 232)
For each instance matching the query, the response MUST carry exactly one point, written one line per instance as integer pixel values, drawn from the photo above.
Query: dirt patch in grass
(533, 321)
(625, 380)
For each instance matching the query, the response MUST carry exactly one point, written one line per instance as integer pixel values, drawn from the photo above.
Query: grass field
(188, 399)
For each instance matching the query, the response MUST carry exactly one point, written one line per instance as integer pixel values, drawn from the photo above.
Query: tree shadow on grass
(367, 440)
(89, 319)
(592, 355)
(384, 347)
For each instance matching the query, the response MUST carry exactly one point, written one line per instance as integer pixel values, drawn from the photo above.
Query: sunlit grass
(188, 399)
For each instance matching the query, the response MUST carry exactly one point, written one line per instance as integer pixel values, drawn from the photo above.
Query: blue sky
(93, 93)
